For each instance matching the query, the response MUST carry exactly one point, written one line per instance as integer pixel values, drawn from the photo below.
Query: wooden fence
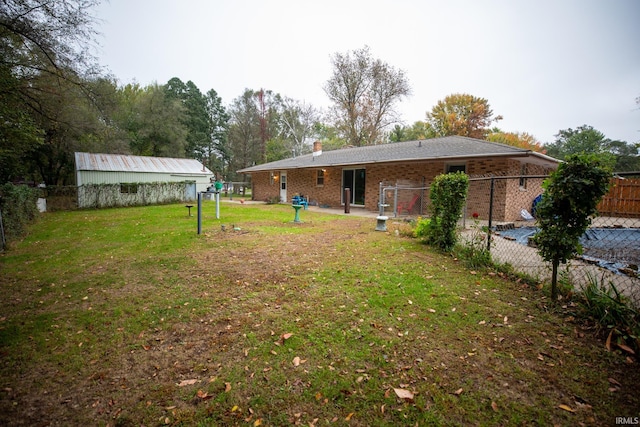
(623, 199)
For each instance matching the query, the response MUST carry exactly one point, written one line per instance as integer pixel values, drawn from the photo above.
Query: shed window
(129, 188)
(320, 178)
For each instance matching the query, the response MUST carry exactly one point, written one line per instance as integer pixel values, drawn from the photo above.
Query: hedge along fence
(18, 208)
(133, 194)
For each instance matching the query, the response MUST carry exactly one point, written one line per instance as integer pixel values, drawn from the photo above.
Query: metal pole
(490, 215)
(217, 205)
(395, 200)
(381, 199)
(199, 213)
(347, 200)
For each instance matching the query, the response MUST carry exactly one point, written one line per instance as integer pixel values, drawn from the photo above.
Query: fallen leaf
(403, 394)
(227, 387)
(296, 361)
(566, 408)
(494, 406)
(348, 417)
(626, 348)
(187, 382)
(607, 344)
(203, 395)
(615, 382)
(458, 392)
(257, 422)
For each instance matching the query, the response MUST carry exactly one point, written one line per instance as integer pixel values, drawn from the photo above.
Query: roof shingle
(449, 147)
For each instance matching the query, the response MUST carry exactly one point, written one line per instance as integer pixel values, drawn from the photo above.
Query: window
(453, 168)
(523, 176)
(129, 188)
(320, 178)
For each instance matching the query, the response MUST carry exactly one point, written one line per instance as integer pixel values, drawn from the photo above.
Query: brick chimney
(317, 148)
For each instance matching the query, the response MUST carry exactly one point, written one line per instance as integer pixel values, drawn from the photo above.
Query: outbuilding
(106, 180)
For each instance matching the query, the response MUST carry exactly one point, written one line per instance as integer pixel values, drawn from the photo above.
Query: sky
(544, 65)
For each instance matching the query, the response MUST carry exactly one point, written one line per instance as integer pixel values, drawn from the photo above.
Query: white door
(283, 187)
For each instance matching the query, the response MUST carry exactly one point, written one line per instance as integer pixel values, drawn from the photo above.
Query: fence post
(199, 213)
(490, 215)
(395, 200)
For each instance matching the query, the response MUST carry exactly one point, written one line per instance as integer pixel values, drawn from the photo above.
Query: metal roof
(446, 148)
(125, 163)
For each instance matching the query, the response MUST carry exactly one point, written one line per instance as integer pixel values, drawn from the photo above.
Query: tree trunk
(554, 280)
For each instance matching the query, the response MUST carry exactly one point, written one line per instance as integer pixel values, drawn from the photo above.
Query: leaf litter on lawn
(279, 325)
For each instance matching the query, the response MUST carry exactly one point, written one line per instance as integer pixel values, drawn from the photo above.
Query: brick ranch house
(323, 176)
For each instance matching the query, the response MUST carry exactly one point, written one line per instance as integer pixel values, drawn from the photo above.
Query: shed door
(190, 191)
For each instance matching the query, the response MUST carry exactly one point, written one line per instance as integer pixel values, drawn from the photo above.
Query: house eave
(533, 157)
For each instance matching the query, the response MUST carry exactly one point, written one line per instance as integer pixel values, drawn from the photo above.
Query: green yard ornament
(218, 185)
(568, 204)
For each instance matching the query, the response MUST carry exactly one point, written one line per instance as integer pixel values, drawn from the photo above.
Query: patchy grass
(128, 317)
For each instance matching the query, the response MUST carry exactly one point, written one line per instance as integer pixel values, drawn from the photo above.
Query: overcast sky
(544, 65)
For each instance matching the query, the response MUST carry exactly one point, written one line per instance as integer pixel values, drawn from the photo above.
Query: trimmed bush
(448, 193)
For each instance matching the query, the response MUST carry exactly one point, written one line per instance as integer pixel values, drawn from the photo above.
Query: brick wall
(510, 197)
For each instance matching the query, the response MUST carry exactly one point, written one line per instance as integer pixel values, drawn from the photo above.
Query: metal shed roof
(125, 163)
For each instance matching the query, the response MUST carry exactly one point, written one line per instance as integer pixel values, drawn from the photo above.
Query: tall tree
(297, 126)
(217, 153)
(516, 139)
(462, 114)
(195, 118)
(364, 92)
(154, 122)
(39, 40)
(585, 139)
(244, 132)
(419, 130)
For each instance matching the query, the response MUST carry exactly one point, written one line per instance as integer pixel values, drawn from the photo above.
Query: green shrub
(18, 204)
(571, 197)
(421, 230)
(447, 193)
(473, 251)
(611, 311)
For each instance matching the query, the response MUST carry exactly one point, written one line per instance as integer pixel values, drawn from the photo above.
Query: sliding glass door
(354, 180)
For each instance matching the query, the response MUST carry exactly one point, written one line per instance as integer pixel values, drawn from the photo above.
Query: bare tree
(365, 92)
(298, 121)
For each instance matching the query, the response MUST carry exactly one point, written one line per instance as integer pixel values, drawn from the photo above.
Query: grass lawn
(128, 317)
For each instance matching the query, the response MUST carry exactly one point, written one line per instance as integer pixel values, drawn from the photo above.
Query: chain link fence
(500, 210)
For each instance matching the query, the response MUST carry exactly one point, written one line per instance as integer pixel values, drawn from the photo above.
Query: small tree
(448, 192)
(571, 196)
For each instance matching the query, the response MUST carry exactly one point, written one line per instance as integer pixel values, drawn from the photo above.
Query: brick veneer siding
(509, 200)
